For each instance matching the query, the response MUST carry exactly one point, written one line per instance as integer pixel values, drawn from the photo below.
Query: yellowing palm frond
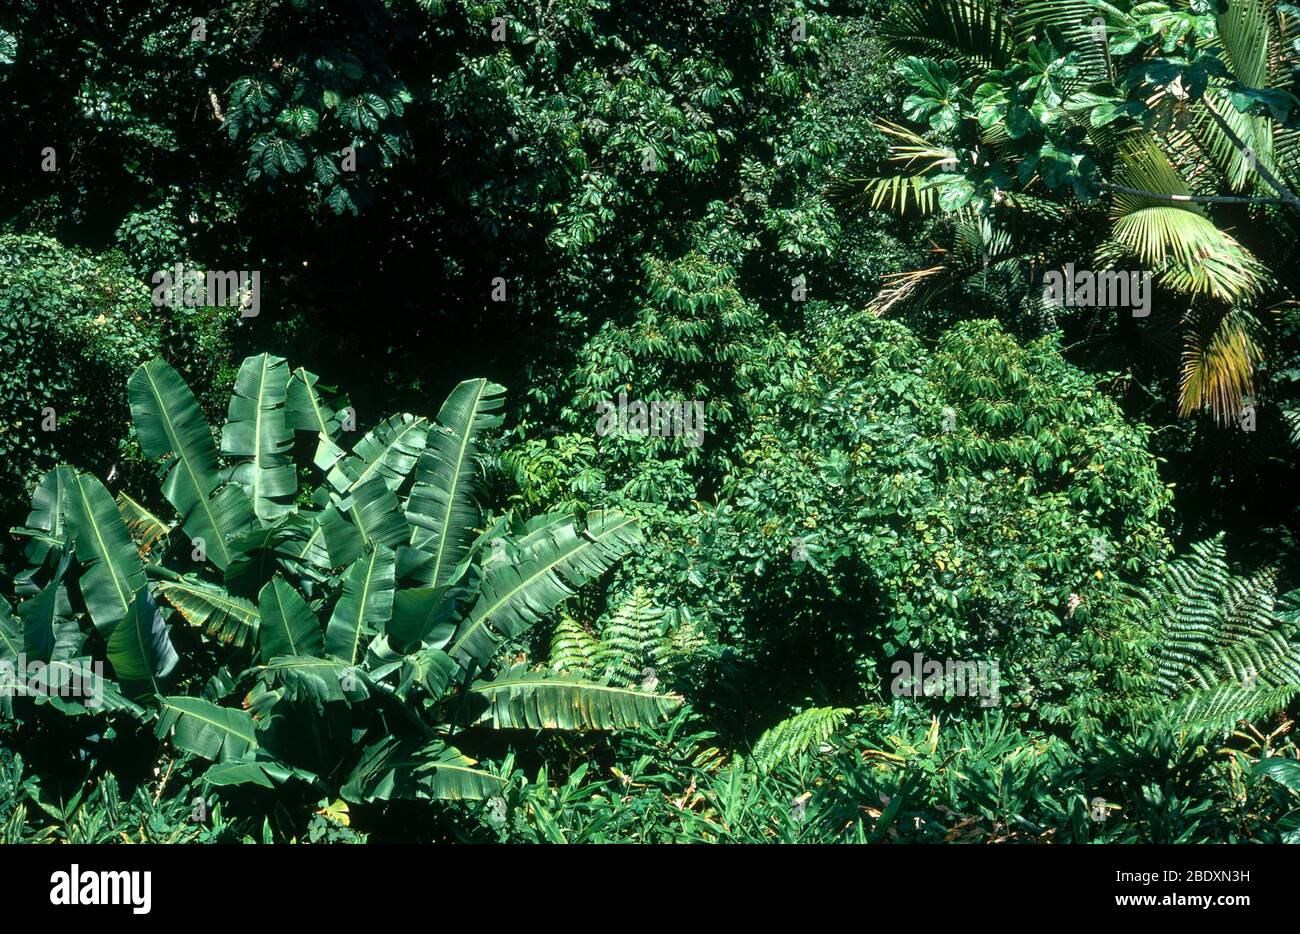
(912, 147)
(1218, 367)
(898, 287)
(1140, 163)
(1238, 167)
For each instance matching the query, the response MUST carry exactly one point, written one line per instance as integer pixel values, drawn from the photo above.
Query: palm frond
(1218, 369)
(974, 32)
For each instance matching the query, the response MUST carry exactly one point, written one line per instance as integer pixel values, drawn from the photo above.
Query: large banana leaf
(301, 546)
(96, 695)
(532, 700)
(37, 630)
(422, 614)
(256, 430)
(169, 421)
(288, 626)
(46, 620)
(139, 649)
(47, 523)
(408, 768)
(11, 636)
(309, 407)
(366, 603)
(319, 680)
(231, 619)
(513, 596)
(441, 505)
(255, 557)
(263, 772)
(10, 645)
(375, 511)
(111, 572)
(518, 538)
(343, 541)
(431, 668)
(204, 729)
(147, 528)
(388, 451)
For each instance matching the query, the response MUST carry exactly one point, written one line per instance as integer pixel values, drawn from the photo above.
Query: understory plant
(349, 636)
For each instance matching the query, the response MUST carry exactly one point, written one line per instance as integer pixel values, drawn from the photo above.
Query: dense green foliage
(815, 231)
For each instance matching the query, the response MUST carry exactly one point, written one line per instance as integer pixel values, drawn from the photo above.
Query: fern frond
(1225, 652)
(573, 649)
(1222, 707)
(635, 638)
(796, 735)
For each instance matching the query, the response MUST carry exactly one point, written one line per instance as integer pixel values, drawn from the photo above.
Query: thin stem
(1287, 196)
(1198, 199)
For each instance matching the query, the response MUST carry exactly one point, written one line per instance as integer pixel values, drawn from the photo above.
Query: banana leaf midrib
(257, 434)
(545, 569)
(311, 397)
(455, 480)
(298, 661)
(438, 766)
(13, 649)
(183, 457)
(539, 680)
(306, 546)
(361, 606)
(136, 618)
(379, 459)
(225, 728)
(105, 560)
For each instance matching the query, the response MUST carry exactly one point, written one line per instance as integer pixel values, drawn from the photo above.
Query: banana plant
(349, 636)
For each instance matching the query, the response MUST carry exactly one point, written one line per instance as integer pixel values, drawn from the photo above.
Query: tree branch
(1287, 196)
(1194, 199)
